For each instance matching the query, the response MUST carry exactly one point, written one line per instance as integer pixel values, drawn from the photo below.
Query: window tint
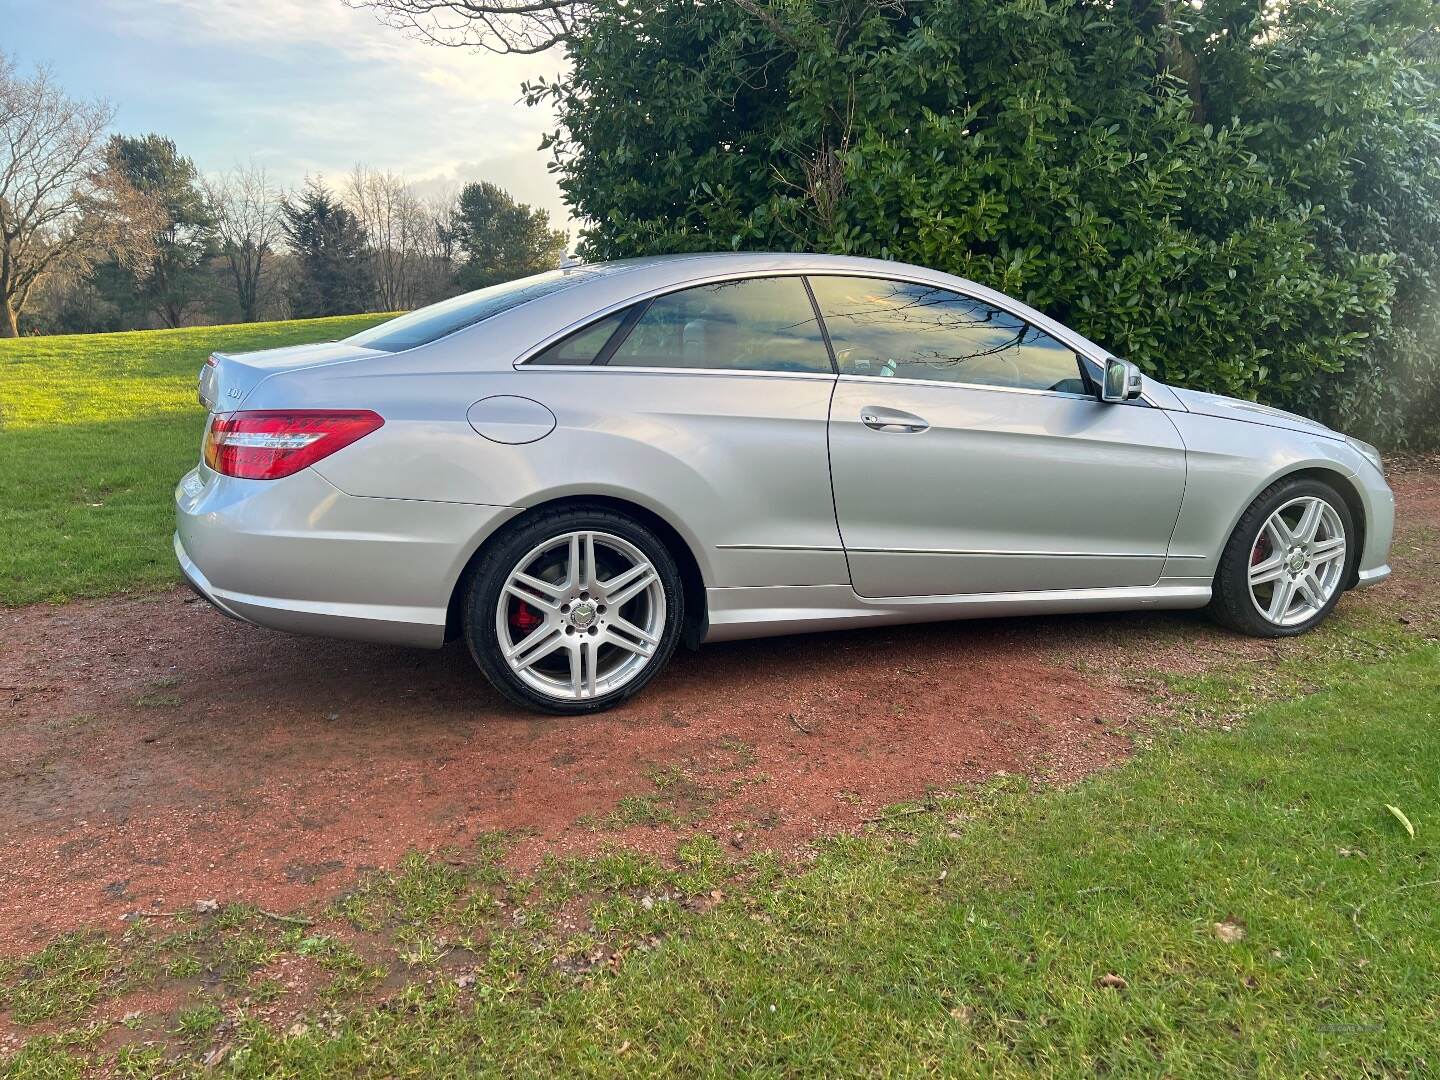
(761, 324)
(582, 346)
(896, 329)
(436, 321)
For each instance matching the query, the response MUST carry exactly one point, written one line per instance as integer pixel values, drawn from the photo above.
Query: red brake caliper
(524, 618)
(1262, 549)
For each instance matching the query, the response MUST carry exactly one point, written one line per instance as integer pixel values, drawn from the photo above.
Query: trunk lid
(227, 379)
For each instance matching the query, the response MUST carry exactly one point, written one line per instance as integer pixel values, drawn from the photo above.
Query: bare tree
(532, 26)
(501, 26)
(396, 225)
(437, 246)
(249, 225)
(54, 203)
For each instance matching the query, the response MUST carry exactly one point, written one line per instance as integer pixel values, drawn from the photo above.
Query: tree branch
(521, 27)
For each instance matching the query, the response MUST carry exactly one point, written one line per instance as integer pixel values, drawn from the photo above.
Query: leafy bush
(1239, 197)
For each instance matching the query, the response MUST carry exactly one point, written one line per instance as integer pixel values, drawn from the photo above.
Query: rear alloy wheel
(1287, 562)
(575, 612)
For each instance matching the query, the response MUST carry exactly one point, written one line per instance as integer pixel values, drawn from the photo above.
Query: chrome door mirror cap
(1122, 381)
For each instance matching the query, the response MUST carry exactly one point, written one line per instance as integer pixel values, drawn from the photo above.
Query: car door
(967, 454)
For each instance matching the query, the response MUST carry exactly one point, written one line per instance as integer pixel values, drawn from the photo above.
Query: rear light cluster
(270, 445)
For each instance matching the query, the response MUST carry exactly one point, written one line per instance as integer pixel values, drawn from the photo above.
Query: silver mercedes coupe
(579, 470)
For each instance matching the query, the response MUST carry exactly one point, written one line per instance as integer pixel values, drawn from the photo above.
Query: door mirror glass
(1122, 381)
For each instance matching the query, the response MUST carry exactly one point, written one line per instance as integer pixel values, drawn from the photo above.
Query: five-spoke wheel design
(1297, 561)
(580, 615)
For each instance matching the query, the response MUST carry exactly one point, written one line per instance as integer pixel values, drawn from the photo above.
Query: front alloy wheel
(1297, 561)
(574, 611)
(1287, 561)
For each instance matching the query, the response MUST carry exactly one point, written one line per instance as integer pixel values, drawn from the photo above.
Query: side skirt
(802, 609)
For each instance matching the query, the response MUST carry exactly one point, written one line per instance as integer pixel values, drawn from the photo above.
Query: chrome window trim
(945, 383)
(814, 375)
(764, 373)
(891, 379)
(1066, 338)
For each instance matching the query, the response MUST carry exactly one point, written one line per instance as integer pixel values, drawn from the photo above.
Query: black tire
(1231, 604)
(502, 556)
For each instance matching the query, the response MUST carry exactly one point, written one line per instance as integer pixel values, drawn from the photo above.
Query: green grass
(65, 977)
(95, 431)
(971, 937)
(198, 1021)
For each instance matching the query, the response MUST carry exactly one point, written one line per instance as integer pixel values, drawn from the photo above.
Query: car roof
(741, 262)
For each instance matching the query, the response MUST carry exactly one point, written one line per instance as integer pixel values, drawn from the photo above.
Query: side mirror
(1122, 381)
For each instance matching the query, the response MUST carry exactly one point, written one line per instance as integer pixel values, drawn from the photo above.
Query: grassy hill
(94, 432)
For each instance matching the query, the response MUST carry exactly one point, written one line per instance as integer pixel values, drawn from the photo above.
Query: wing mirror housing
(1122, 381)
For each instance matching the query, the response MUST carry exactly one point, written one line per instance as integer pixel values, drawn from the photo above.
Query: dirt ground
(153, 753)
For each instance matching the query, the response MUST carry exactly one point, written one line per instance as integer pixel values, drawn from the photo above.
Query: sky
(301, 87)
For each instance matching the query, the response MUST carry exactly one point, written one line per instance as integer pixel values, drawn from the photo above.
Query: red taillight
(269, 445)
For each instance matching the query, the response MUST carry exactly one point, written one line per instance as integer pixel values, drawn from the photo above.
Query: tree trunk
(8, 292)
(250, 290)
(1175, 56)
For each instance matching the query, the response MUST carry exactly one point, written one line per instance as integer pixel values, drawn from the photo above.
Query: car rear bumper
(302, 556)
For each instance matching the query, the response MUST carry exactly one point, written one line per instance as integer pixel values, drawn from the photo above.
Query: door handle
(893, 421)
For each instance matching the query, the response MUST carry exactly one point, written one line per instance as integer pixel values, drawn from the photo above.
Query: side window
(759, 324)
(895, 329)
(582, 346)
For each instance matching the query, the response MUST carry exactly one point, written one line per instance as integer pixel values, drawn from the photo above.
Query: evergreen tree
(499, 239)
(173, 280)
(328, 242)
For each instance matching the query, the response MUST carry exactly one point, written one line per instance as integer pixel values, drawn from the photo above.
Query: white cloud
(278, 26)
(312, 86)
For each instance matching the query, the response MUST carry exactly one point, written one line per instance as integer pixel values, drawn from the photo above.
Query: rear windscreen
(431, 323)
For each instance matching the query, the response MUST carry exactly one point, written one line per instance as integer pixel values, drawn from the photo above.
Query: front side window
(431, 323)
(898, 329)
(759, 324)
